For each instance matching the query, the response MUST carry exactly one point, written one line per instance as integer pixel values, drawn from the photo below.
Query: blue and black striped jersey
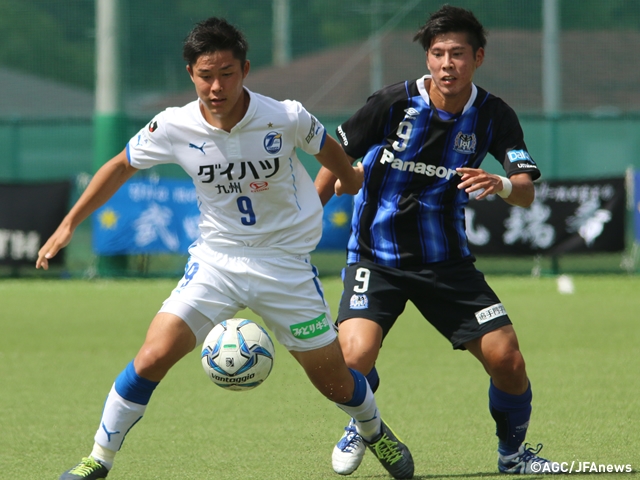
(410, 211)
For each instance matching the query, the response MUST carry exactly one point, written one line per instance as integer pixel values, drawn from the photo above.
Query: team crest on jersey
(153, 126)
(465, 143)
(358, 302)
(273, 142)
(259, 186)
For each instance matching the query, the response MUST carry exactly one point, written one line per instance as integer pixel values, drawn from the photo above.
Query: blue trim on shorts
(317, 283)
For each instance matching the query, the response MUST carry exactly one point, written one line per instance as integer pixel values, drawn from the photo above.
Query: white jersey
(254, 194)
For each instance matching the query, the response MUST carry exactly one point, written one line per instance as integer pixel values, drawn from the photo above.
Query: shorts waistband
(239, 251)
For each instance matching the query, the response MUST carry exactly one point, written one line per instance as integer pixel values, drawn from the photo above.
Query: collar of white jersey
(425, 95)
(251, 110)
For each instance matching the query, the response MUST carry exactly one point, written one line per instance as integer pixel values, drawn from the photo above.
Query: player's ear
(190, 70)
(245, 68)
(479, 56)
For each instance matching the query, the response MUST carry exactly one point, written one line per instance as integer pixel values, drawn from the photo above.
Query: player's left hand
(474, 179)
(355, 182)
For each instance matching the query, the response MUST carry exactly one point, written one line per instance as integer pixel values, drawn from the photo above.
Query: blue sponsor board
(336, 223)
(150, 217)
(147, 216)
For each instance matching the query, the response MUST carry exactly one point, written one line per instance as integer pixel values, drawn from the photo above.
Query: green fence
(570, 146)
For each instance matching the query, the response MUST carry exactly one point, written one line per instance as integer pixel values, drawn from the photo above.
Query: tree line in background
(56, 39)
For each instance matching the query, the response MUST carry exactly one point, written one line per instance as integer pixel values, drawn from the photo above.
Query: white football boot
(527, 461)
(349, 451)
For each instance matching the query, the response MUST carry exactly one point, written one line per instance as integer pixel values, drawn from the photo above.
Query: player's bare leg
(168, 340)
(360, 340)
(328, 372)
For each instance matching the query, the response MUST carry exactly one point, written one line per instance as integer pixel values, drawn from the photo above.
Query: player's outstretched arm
(338, 174)
(522, 190)
(107, 180)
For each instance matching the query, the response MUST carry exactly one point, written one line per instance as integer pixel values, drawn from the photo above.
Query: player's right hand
(60, 239)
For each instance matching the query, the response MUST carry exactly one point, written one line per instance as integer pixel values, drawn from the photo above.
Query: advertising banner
(147, 216)
(566, 217)
(336, 223)
(29, 214)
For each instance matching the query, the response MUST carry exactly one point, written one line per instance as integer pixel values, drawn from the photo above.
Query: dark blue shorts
(453, 296)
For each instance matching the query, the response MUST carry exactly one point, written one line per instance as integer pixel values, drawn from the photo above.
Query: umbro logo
(411, 113)
(201, 148)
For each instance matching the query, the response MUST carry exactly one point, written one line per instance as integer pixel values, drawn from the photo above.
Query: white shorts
(283, 290)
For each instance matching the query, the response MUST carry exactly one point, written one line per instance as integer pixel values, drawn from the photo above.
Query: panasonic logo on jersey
(420, 168)
(343, 136)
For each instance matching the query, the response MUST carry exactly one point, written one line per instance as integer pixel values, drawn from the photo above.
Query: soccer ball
(238, 354)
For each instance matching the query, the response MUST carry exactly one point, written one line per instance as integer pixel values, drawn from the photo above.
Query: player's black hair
(212, 35)
(449, 19)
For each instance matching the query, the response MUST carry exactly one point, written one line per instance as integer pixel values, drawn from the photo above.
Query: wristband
(506, 187)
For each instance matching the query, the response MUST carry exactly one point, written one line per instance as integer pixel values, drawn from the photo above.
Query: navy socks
(373, 379)
(512, 414)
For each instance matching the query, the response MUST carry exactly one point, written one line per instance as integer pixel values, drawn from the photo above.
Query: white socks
(103, 455)
(118, 416)
(368, 423)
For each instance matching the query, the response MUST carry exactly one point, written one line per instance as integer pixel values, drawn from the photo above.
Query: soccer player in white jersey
(260, 218)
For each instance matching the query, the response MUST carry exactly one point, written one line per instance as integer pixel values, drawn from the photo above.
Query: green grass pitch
(62, 343)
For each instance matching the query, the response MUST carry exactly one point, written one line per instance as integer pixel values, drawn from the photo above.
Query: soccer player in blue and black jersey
(421, 143)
